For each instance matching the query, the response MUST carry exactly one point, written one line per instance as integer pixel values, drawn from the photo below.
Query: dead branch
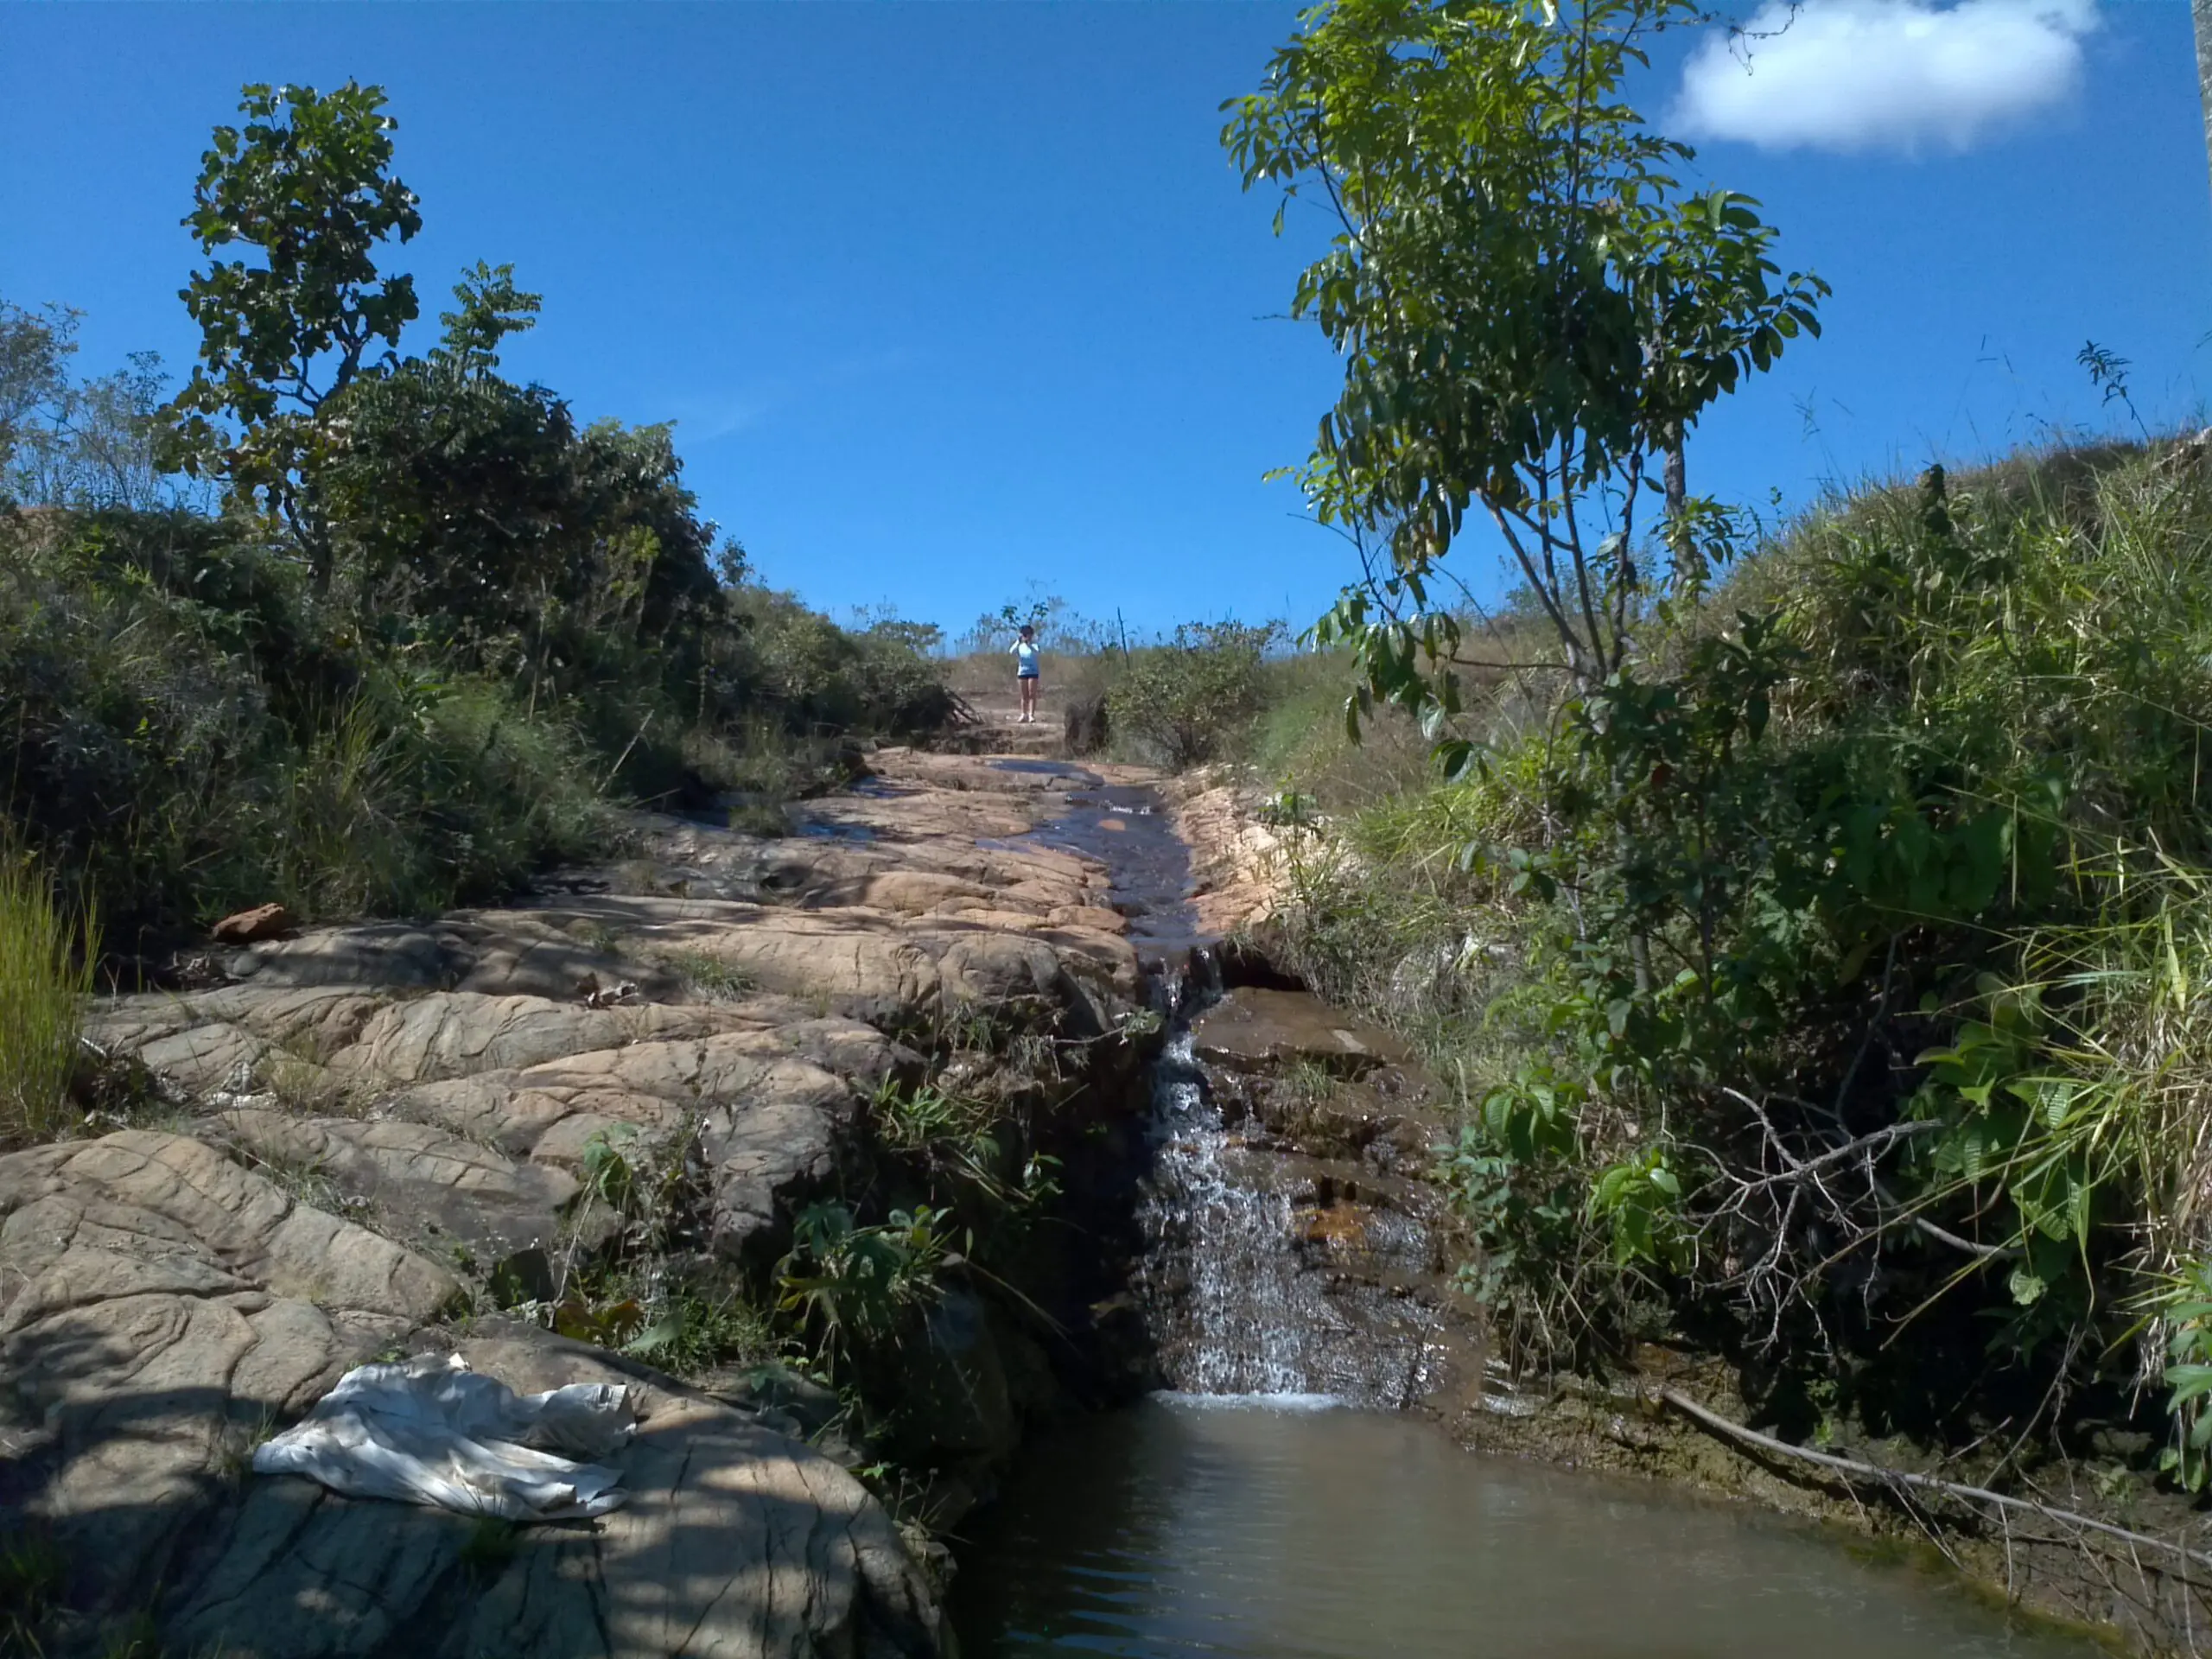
(1899, 1479)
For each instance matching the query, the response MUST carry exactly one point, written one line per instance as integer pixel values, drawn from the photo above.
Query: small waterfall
(1239, 1293)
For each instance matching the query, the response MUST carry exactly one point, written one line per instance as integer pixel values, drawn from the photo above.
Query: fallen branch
(1896, 1478)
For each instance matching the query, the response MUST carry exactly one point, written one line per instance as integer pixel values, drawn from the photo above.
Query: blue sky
(955, 303)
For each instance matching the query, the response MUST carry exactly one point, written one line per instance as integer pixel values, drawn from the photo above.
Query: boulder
(250, 927)
(737, 1543)
(1253, 1029)
(161, 1309)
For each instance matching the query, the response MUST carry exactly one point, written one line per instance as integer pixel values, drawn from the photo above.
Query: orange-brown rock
(251, 926)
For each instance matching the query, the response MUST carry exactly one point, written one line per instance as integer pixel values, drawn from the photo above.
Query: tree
(1531, 309)
(34, 350)
(303, 182)
(492, 308)
(65, 441)
(476, 509)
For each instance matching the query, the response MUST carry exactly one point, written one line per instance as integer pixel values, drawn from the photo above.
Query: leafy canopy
(1528, 304)
(303, 183)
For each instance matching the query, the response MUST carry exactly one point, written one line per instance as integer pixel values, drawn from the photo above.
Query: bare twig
(1900, 1478)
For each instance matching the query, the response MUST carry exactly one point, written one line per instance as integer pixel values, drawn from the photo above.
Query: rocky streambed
(376, 1141)
(394, 1140)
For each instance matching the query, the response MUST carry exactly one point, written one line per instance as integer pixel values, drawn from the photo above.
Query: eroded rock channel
(377, 1140)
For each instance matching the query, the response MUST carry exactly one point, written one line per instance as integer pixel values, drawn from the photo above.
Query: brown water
(1207, 1527)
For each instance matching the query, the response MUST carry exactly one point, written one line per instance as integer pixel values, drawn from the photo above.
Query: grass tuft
(46, 973)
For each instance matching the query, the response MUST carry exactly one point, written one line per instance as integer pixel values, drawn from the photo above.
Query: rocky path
(368, 1139)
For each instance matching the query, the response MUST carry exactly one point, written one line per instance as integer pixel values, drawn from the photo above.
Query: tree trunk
(1678, 493)
(2201, 15)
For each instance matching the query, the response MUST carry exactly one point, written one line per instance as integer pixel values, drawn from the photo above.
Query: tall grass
(46, 973)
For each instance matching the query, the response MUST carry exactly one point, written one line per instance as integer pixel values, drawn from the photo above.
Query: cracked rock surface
(366, 1121)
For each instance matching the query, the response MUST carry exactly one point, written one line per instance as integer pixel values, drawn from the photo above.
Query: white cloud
(1884, 74)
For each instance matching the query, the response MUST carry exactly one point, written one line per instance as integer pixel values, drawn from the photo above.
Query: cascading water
(1244, 1285)
(1282, 1257)
(1240, 1296)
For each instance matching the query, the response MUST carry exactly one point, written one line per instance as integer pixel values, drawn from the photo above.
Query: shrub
(1194, 698)
(1837, 969)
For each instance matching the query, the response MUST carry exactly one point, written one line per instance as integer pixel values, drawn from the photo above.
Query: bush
(1835, 972)
(46, 973)
(436, 623)
(1194, 698)
(817, 677)
(225, 745)
(196, 732)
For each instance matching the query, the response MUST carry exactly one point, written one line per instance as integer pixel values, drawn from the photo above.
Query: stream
(1273, 1505)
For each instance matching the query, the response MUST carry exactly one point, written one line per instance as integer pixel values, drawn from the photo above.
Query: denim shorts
(1025, 674)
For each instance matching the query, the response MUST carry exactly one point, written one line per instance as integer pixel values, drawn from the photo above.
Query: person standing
(1025, 672)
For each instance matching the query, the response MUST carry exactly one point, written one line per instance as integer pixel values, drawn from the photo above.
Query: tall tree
(302, 183)
(1531, 310)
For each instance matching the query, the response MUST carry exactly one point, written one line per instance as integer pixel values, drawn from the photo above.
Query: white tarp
(431, 1431)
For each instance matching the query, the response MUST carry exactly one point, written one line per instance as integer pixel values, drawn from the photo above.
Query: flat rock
(457, 1033)
(156, 1302)
(421, 1182)
(1251, 1029)
(162, 1308)
(737, 1543)
(770, 1120)
(396, 955)
(381, 1094)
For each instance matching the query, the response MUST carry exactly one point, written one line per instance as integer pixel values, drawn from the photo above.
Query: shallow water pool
(1292, 1531)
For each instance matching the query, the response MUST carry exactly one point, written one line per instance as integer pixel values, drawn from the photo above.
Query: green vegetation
(1813, 924)
(426, 626)
(1829, 983)
(1531, 311)
(1195, 696)
(46, 973)
(853, 1287)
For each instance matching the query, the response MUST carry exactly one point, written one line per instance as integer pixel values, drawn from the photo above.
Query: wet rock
(1238, 860)
(1255, 1029)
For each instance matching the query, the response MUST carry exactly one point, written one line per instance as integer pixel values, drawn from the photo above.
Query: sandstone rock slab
(1255, 1029)
(736, 1543)
(156, 1302)
(422, 1182)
